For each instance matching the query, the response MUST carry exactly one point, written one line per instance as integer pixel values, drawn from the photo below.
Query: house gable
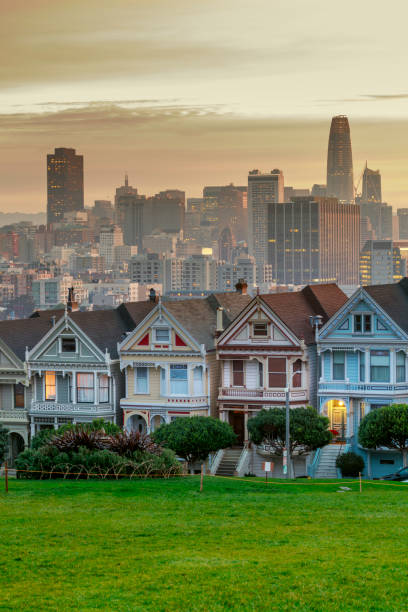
(361, 318)
(66, 342)
(8, 359)
(257, 326)
(160, 332)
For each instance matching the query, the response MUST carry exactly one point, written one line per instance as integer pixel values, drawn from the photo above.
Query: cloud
(368, 98)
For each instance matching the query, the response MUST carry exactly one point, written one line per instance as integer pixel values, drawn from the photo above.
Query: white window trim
(363, 314)
(156, 341)
(345, 379)
(135, 392)
(189, 370)
(76, 352)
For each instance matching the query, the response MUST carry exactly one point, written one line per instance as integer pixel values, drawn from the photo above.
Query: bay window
(104, 388)
(297, 373)
(277, 372)
(85, 388)
(178, 379)
(50, 387)
(380, 366)
(198, 380)
(339, 365)
(237, 373)
(400, 367)
(141, 380)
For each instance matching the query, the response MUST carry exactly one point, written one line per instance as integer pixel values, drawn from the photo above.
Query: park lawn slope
(239, 545)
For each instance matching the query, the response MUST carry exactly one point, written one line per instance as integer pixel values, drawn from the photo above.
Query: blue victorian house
(363, 366)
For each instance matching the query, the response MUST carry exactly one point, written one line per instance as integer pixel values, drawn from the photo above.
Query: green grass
(240, 545)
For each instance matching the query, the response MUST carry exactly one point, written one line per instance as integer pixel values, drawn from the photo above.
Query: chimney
(220, 324)
(152, 295)
(72, 305)
(241, 286)
(53, 318)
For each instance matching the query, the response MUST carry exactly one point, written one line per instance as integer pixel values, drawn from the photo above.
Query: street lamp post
(287, 437)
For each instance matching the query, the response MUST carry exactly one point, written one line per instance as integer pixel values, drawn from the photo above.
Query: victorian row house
(226, 355)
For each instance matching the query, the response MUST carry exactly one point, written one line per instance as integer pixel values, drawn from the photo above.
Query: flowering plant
(334, 432)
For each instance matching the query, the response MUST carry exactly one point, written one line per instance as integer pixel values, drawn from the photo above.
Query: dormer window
(260, 330)
(162, 334)
(68, 345)
(362, 324)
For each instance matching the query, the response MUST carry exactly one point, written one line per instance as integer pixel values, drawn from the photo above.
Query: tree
(386, 426)
(308, 430)
(4, 442)
(194, 438)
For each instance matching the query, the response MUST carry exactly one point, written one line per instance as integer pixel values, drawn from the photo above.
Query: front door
(237, 422)
(339, 421)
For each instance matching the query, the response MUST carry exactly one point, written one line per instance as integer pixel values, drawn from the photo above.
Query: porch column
(96, 390)
(245, 425)
(392, 366)
(32, 427)
(348, 416)
(55, 422)
(74, 389)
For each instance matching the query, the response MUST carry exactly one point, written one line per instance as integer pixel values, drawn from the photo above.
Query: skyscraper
(65, 183)
(314, 240)
(371, 186)
(263, 189)
(340, 161)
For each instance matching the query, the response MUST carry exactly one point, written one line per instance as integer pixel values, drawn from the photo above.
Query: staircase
(327, 461)
(229, 462)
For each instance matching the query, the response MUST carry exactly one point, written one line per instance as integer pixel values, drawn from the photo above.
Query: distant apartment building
(146, 269)
(195, 273)
(109, 238)
(50, 292)
(263, 190)
(381, 263)
(65, 183)
(313, 240)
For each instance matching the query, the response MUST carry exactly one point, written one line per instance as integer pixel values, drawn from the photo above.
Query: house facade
(363, 366)
(269, 353)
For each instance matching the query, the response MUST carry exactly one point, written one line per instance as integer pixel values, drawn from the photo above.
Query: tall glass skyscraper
(340, 161)
(65, 183)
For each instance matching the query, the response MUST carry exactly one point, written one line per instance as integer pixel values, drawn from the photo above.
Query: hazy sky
(182, 94)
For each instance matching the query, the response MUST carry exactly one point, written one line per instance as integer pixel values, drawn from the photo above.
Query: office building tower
(319, 191)
(381, 263)
(65, 183)
(129, 209)
(314, 240)
(103, 209)
(371, 191)
(164, 212)
(340, 161)
(109, 238)
(232, 207)
(402, 214)
(380, 216)
(263, 189)
(226, 244)
(291, 192)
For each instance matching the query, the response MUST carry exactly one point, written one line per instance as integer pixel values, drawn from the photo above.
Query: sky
(185, 94)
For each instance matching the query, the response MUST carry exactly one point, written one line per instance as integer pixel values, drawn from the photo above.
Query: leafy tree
(386, 426)
(4, 441)
(194, 438)
(308, 430)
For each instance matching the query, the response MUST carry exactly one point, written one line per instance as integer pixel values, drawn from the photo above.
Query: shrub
(41, 438)
(4, 433)
(73, 439)
(350, 464)
(386, 426)
(126, 443)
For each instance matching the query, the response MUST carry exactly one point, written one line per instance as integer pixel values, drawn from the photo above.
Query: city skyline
(186, 95)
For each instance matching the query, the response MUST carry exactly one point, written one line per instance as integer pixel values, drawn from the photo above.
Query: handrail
(216, 461)
(313, 466)
(243, 461)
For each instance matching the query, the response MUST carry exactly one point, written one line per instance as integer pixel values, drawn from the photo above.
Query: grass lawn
(240, 545)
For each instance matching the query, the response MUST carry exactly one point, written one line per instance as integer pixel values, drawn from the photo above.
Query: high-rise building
(129, 214)
(371, 185)
(340, 161)
(381, 263)
(109, 238)
(232, 207)
(402, 214)
(291, 192)
(380, 217)
(263, 189)
(314, 240)
(65, 183)
(319, 191)
(164, 212)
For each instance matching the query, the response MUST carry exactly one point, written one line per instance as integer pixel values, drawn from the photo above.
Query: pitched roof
(196, 316)
(296, 308)
(393, 298)
(21, 333)
(232, 302)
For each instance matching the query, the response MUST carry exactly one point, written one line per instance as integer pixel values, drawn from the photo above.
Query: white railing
(216, 461)
(363, 387)
(14, 415)
(267, 394)
(242, 465)
(56, 407)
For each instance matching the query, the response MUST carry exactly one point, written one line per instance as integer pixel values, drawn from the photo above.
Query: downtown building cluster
(227, 355)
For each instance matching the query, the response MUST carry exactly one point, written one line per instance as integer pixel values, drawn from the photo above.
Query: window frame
(82, 388)
(264, 325)
(335, 377)
(363, 321)
(161, 329)
(238, 375)
(137, 377)
(179, 367)
(69, 338)
(100, 389)
(21, 394)
(398, 371)
(277, 373)
(380, 380)
(50, 373)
